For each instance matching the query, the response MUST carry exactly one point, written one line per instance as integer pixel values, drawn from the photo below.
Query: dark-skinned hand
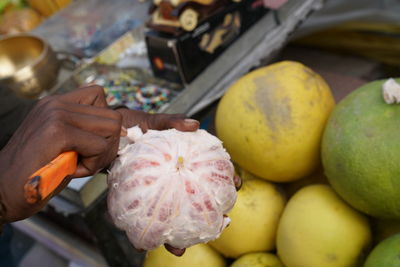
(80, 121)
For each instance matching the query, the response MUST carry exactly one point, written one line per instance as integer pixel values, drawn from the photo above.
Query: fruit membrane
(171, 187)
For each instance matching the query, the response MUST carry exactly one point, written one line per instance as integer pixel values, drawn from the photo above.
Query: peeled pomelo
(171, 187)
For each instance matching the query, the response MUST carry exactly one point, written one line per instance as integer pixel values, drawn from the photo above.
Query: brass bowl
(28, 65)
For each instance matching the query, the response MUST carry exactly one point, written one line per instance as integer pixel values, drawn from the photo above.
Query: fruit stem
(391, 91)
(179, 165)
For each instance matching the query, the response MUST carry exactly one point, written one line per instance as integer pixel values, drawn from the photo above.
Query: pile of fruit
(321, 183)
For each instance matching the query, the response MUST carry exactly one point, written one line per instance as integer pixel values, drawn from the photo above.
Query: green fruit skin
(361, 151)
(385, 254)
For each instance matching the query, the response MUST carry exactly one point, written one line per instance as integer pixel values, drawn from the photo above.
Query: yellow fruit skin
(258, 259)
(271, 120)
(200, 255)
(255, 218)
(319, 229)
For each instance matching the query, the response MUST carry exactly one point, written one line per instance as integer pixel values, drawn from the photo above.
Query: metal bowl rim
(43, 54)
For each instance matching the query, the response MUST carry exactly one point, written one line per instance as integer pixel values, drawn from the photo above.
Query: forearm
(12, 112)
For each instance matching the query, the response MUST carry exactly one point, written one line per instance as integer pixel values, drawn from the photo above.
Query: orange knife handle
(44, 181)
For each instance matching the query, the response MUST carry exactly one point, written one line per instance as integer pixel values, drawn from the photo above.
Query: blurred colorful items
(125, 87)
(85, 28)
(48, 7)
(18, 16)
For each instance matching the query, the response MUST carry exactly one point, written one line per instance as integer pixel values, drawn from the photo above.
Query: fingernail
(124, 131)
(191, 121)
(237, 181)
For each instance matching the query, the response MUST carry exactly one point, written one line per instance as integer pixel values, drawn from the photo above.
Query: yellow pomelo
(319, 229)
(200, 255)
(271, 120)
(255, 218)
(258, 259)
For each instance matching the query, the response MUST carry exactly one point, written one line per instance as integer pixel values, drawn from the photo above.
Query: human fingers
(148, 121)
(237, 181)
(98, 125)
(92, 95)
(168, 121)
(176, 251)
(95, 152)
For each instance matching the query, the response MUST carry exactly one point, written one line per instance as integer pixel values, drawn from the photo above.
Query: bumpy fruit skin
(271, 120)
(318, 228)
(171, 187)
(258, 259)
(200, 255)
(255, 218)
(385, 254)
(361, 151)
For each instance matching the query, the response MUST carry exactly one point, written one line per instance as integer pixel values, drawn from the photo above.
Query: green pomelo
(385, 254)
(361, 151)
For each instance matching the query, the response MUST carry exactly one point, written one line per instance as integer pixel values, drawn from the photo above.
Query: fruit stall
(294, 163)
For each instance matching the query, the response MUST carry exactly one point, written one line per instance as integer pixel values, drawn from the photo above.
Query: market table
(81, 208)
